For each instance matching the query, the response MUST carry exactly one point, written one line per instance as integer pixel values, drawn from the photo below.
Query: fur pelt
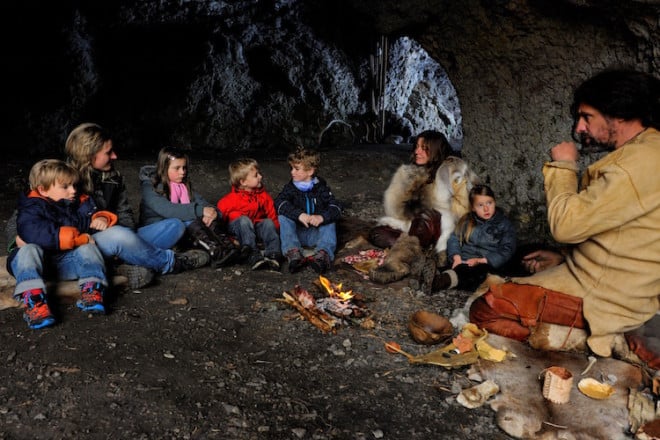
(409, 193)
(405, 251)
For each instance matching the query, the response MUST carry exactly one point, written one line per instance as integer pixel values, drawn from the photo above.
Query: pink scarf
(179, 193)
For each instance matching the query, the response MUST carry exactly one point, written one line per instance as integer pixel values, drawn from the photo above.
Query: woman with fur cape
(422, 203)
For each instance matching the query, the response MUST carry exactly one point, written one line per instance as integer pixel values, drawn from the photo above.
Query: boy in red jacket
(250, 215)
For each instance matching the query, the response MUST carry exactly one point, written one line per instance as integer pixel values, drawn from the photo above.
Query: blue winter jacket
(494, 239)
(291, 202)
(54, 225)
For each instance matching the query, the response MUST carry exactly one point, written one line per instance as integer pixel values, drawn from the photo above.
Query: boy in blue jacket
(307, 212)
(55, 224)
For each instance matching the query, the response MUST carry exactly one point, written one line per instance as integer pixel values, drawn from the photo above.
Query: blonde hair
(81, 146)
(466, 224)
(239, 169)
(165, 156)
(48, 171)
(305, 157)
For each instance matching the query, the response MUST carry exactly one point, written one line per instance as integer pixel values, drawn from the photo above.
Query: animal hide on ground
(523, 412)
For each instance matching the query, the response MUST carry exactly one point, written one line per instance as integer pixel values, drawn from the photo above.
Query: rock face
(228, 77)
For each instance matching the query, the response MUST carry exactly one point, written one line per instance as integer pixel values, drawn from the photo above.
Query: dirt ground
(212, 354)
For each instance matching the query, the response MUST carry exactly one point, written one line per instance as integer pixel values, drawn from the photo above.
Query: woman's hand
(99, 224)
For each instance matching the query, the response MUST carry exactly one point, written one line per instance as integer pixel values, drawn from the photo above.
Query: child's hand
(315, 220)
(476, 261)
(99, 224)
(456, 261)
(209, 215)
(20, 242)
(304, 219)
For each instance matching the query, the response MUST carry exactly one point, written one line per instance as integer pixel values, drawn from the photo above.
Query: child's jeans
(247, 233)
(163, 234)
(84, 263)
(122, 242)
(295, 235)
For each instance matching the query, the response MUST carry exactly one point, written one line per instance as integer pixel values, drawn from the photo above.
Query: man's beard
(591, 145)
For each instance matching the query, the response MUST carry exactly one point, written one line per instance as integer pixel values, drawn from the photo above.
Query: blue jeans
(122, 242)
(84, 263)
(163, 234)
(295, 235)
(247, 233)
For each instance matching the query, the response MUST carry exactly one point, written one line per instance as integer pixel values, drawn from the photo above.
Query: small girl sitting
(483, 241)
(167, 194)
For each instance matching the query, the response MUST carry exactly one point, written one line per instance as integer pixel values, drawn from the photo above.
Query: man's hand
(541, 260)
(565, 151)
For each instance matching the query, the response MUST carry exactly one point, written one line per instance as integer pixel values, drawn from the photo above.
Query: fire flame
(334, 290)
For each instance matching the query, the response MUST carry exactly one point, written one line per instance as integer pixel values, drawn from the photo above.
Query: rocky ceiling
(231, 76)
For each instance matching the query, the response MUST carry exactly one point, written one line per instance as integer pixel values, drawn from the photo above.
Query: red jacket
(256, 205)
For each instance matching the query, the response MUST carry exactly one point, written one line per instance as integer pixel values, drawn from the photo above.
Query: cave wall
(228, 77)
(514, 69)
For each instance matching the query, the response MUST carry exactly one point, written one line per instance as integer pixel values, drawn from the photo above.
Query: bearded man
(609, 280)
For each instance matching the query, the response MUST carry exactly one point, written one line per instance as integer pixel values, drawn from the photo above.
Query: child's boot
(257, 261)
(91, 298)
(296, 260)
(220, 247)
(321, 262)
(36, 312)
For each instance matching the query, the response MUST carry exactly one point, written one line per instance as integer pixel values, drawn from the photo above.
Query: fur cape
(410, 192)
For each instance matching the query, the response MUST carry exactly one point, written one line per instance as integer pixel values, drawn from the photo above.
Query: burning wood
(327, 313)
(304, 303)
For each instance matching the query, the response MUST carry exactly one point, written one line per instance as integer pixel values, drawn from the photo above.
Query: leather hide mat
(523, 412)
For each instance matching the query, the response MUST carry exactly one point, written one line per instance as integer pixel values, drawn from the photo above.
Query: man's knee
(485, 317)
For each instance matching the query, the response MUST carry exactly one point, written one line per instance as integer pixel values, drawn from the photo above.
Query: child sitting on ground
(56, 227)
(483, 241)
(250, 214)
(167, 194)
(307, 212)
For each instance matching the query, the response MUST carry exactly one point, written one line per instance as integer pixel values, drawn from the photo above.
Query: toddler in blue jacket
(55, 224)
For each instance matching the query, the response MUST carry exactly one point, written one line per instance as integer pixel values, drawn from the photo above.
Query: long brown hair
(436, 146)
(165, 156)
(466, 224)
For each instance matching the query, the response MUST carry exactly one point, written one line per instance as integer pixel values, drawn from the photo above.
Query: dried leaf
(392, 347)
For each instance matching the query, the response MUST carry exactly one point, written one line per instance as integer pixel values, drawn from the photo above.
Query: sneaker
(321, 262)
(245, 252)
(257, 261)
(188, 260)
(137, 276)
(296, 260)
(91, 298)
(274, 260)
(36, 312)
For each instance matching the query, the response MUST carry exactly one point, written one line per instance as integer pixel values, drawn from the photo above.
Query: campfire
(329, 312)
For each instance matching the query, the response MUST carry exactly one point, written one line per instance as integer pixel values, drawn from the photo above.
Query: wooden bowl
(429, 328)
